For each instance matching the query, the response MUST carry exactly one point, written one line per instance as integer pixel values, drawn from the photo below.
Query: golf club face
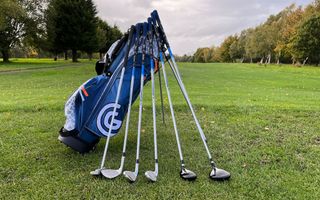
(110, 173)
(131, 176)
(151, 175)
(188, 175)
(96, 172)
(219, 174)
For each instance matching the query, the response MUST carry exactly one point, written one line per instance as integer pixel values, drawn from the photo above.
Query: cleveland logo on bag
(104, 119)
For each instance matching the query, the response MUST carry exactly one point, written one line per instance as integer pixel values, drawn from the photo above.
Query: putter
(97, 172)
(113, 173)
(132, 175)
(152, 175)
(216, 173)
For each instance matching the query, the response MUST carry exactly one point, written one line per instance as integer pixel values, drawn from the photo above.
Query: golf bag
(89, 109)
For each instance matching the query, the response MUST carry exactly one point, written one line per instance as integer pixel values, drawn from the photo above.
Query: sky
(190, 24)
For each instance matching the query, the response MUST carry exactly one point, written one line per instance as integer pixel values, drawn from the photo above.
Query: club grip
(138, 29)
(128, 45)
(156, 20)
(145, 28)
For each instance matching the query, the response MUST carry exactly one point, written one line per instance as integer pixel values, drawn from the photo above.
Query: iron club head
(188, 175)
(131, 176)
(219, 174)
(110, 173)
(96, 172)
(151, 175)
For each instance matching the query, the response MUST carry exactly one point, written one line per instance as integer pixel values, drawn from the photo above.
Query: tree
(306, 43)
(12, 26)
(289, 31)
(225, 48)
(202, 55)
(237, 48)
(107, 35)
(18, 23)
(72, 24)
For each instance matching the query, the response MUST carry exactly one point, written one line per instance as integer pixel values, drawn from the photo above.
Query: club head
(110, 173)
(96, 172)
(151, 175)
(188, 175)
(219, 174)
(131, 176)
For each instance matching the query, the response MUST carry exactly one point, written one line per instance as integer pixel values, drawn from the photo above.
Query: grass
(36, 64)
(262, 125)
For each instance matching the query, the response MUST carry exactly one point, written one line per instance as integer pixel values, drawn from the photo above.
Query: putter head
(188, 175)
(110, 173)
(96, 172)
(131, 176)
(151, 175)
(219, 174)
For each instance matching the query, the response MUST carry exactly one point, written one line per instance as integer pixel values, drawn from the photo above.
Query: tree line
(53, 27)
(291, 36)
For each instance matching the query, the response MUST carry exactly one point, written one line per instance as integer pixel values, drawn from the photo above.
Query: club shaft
(154, 116)
(161, 97)
(128, 119)
(172, 111)
(140, 117)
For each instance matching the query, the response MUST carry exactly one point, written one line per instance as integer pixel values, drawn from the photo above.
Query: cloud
(190, 24)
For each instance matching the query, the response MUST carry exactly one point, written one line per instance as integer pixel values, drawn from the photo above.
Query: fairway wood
(151, 175)
(219, 174)
(188, 175)
(131, 176)
(96, 172)
(110, 173)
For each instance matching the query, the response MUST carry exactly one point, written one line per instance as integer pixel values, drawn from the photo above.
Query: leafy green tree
(306, 43)
(107, 35)
(202, 55)
(72, 24)
(12, 20)
(19, 22)
(237, 48)
(225, 48)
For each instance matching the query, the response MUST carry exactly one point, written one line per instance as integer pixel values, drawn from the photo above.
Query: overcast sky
(190, 24)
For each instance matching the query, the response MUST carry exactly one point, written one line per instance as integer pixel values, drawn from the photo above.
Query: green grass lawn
(262, 125)
(36, 64)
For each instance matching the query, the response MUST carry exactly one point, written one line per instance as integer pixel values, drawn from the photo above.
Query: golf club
(185, 173)
(97, 172)
(113, 173)
(216, 173)
(132, 175)
(152, 175)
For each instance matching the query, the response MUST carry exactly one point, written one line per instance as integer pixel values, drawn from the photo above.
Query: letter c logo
(104, 119)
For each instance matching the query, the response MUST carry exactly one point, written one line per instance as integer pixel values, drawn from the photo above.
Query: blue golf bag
(89, 109)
